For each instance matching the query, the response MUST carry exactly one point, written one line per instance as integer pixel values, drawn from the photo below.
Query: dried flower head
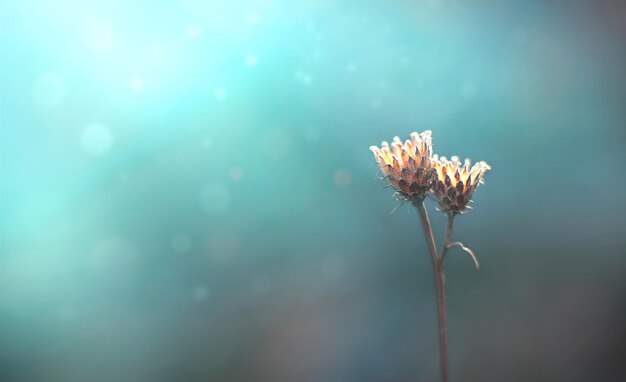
(408, 166)
(456, 183)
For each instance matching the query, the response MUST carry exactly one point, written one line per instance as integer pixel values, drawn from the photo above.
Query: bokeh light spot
(194, 31)
(201, 293)
(96, 139)
(252, 18)
(261, 285)
(303, 77)
(376, 103)
(251, 60)
(98, 36)
(49, 89)
(236, 173)
(333, 267)
(312, 133)
(181, 243)
(136, 83)
(114, 260)
(66, 314)
(342, 177)
(223, 246)
(276, 143)
(219, 93)
(215, 198)
(207, 142)
(469, 90)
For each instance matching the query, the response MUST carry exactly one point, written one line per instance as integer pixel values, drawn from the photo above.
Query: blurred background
(188, 194)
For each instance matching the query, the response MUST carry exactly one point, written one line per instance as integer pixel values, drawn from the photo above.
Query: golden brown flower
(408, 166)
(456, 182)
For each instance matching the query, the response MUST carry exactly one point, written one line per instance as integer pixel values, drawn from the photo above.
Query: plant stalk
(448, 237)
(440, 284)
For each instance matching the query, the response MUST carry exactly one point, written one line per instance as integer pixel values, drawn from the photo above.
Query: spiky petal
(455, 182)
(407, 167)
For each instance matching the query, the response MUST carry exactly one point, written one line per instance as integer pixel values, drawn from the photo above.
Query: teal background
(188, 194)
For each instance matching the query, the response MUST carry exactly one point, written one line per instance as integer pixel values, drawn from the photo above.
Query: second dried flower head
(456, 183)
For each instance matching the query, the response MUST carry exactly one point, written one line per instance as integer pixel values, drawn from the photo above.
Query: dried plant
(415, 173)
(408, 167)
(455, 183)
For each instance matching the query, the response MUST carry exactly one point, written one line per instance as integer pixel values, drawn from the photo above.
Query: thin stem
(440, 285)
(428, 231)
(448, 238)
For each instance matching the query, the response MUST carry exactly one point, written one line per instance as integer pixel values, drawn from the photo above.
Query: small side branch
(464, 249)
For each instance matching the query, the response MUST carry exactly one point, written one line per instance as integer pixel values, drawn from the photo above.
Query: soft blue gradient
(187, 191)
